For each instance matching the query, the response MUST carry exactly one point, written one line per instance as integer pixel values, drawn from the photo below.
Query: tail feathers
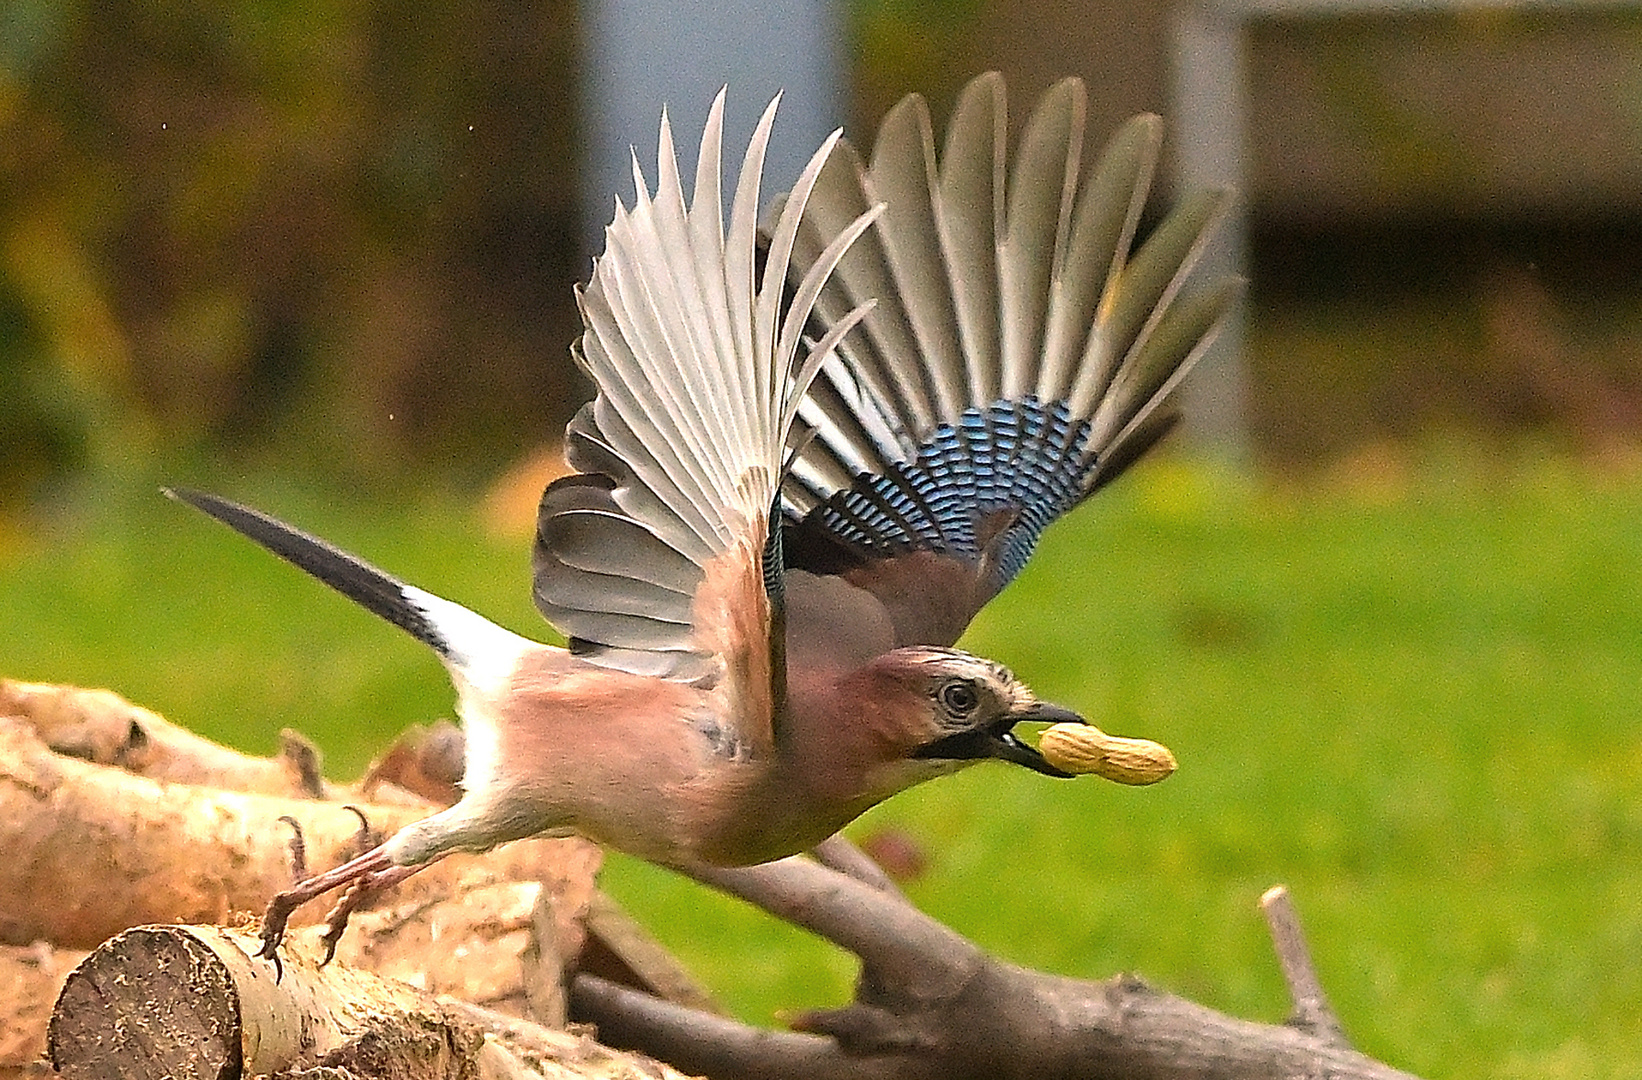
(349, 575)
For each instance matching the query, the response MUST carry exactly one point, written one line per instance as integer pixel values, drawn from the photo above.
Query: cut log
(192, 1002)
(93, 850)
(102, 727)
(501, 944)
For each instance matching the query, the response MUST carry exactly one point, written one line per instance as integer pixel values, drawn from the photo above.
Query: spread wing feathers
(650, 558)
(1018, 357)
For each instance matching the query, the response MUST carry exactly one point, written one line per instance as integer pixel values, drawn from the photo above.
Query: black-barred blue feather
(1016, 458)
(1019, 356)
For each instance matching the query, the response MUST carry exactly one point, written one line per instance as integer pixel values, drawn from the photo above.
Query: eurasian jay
(815, 452)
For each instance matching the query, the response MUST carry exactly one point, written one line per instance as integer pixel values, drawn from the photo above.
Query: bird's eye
(959, 697)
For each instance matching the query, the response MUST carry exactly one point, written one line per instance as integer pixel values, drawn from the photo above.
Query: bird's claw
(337, 920)
(277, 918)
(298, 848)
(365, 838)
(274, 922)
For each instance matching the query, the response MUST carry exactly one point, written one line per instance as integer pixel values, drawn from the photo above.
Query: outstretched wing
(652, 558)
(1018, 357)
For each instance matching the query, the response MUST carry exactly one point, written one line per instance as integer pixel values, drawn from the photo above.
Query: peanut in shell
(1085, 749)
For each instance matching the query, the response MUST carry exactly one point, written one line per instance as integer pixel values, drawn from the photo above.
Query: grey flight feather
(1020, 356)
(699, 372)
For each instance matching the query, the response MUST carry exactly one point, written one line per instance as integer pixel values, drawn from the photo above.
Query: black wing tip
(215, 505)
(373, 589)
(227, 511)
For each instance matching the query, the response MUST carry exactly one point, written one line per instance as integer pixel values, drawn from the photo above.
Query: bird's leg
(363, 889)
(360, 869)
(361, 877)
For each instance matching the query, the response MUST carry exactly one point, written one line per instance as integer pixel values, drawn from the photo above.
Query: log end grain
(148, 1004)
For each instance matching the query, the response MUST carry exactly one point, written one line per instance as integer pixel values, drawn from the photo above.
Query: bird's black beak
(1000, 741)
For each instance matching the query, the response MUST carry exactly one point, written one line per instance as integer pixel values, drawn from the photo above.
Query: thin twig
(716, 1045)
(1312, 1012)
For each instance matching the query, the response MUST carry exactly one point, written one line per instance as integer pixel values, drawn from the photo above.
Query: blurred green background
(319, 257)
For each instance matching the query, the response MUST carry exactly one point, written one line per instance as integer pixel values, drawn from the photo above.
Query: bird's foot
(349, 902)
(366, 873)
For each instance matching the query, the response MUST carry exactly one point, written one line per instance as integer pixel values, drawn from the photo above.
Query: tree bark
(930, 1004)
(193, 1002)
(92, 850)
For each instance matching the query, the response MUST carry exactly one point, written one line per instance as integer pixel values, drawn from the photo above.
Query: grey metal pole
(641, 54)
(1209, 103)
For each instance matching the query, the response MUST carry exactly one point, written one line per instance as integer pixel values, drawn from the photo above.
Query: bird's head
(955, 709)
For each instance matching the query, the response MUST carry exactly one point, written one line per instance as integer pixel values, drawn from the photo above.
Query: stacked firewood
(135, 854)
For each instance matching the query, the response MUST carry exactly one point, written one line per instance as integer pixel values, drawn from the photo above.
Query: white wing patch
(481, 658)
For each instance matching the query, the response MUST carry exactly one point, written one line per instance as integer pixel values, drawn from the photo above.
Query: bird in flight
(816, 450)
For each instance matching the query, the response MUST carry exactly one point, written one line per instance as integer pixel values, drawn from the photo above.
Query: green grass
(1417, 704)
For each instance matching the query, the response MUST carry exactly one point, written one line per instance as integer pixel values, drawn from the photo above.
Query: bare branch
(714, 1046)
(838, 852)
(931, 1004)
(898, 944)
(619, 949)
(1311, 1008)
